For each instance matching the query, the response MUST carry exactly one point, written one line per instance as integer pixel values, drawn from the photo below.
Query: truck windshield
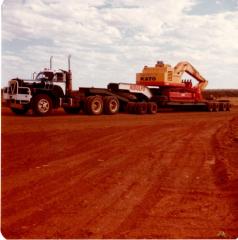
(45, 76)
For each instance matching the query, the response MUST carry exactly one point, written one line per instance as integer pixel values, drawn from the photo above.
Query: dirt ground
(169, 175)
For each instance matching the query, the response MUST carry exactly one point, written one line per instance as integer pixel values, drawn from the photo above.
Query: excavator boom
(182, 67)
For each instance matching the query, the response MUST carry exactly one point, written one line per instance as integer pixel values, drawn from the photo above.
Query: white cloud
(112, 40)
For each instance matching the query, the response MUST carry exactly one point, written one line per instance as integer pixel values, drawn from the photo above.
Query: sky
(112, 40)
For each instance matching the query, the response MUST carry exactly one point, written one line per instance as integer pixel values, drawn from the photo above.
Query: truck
(156, 87)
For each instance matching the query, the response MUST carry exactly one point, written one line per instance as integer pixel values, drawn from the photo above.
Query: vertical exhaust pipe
(69, 58)
(51, 62)
(33, 75)
(69, 78)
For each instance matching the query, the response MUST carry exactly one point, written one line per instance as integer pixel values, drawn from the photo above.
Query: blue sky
(111, 40)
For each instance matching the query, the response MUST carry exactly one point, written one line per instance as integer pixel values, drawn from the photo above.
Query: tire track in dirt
(225, 144)
(87, 166)
(135, 185)
(71, 173)
(140, 215)
(60, 166)
(129, 181)
(57, 180)
(154, 195)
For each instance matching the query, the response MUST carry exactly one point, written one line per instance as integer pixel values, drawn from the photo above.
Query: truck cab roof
(50, 75)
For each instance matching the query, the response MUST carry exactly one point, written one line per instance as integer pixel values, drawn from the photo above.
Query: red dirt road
(171, 175)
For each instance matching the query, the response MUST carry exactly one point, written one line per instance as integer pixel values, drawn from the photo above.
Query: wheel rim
(43, 106)
(143, 108)
(96, 106)
(113, 105)
(154, 108)
(210, 108)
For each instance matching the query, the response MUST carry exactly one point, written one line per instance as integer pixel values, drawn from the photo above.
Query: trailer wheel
(221, 106)
(141, 107)
(152, 108)
(227, 106)
(210, 107)
(74, 110)
(18, 111)
(131, 107)
(42, 105)
(94, 105)
(111, 105)
(85, 106)
(215, 107)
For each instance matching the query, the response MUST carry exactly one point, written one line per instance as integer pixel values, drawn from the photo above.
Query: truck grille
(22, 90)
(13, 88)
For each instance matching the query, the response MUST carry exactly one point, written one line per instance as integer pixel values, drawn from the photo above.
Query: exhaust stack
(51, 62)
(69, 78)
(33, 75)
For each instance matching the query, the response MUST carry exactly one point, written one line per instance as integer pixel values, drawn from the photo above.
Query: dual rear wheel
(142, 107)
(96, 105)
(218, 106)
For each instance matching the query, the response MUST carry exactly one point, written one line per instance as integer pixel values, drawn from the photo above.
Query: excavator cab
(160, 75)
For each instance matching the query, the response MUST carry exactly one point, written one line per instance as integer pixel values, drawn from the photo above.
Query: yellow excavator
(169, 89)
(165, 75)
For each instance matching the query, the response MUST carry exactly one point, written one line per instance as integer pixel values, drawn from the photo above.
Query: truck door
(60, 80)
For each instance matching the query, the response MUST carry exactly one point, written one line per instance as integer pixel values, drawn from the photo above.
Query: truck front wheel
(42, 105)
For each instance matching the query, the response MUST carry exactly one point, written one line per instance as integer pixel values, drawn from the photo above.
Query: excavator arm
(182, 67)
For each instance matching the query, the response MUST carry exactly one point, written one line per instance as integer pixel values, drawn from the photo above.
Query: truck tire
(131, 107)
(152, 108)
(85, 106)
(42, 105)
(111, 105)
(141, 107)
(74, 110)
(20, 111)
(94, 105)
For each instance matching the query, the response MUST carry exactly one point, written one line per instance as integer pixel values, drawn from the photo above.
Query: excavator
(169, 89)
